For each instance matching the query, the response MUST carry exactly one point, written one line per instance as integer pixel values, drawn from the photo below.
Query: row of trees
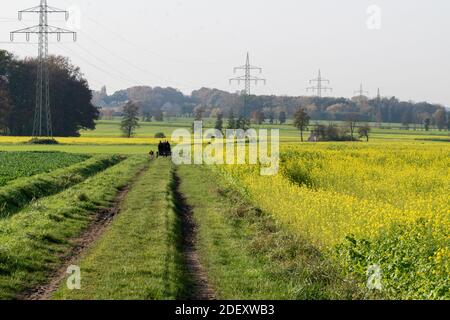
(70, 96)
(157, 102)
(301, 121)
(260, 117)
(331, 132)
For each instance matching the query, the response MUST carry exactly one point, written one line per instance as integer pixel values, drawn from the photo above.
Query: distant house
(106, 114)
(313, 137)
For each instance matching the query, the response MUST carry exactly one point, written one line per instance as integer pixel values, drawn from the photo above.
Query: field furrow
(18, 193)
(36, 240)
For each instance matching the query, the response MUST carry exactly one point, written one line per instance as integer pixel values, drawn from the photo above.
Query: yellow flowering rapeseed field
(87, 140)
(366, 205)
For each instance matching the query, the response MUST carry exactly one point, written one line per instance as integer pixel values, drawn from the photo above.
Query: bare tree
(440, 117)
(364, 131)
(352, 121)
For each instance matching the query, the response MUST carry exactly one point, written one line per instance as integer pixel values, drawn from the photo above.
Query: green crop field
(15, 165)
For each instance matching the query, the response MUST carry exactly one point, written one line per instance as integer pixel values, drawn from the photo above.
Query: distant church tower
(103, 91)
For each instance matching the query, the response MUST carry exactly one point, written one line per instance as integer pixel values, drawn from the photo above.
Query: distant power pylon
(361, 93)
(319, 87)
(42, 125)
(247, 78)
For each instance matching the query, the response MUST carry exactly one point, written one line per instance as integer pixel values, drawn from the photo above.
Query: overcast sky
(404, 50)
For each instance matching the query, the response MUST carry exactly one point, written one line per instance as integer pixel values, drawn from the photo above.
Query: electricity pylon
(42, 125)
(360, 93)
(247, 78)
(319, 87)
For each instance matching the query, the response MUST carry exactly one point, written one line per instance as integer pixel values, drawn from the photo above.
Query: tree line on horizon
(158, 103)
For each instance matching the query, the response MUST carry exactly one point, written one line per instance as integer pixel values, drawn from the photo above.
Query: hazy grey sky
(193, 43)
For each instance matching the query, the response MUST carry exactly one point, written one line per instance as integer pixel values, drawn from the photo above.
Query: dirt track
(80, 245)
(201, 289)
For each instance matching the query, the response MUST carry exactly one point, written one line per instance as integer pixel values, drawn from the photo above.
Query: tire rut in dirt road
(198, 277)
(101, 221)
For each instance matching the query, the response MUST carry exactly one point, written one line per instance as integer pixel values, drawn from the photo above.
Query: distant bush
(330, 133)
(43, 141)
(160, 135)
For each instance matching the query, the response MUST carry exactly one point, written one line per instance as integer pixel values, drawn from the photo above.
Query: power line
(319, 87)
(30, 42)
(108, 65)
(122, 58)
(16, 42)
(156, 54)
(31, 54)
(43, 126)
(122, 77)
(151, 52)
(124, 81)
(140, 69)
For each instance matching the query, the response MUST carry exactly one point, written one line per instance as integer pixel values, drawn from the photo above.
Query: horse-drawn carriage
(164, 149)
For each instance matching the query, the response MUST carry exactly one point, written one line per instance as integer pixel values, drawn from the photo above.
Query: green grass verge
(138, 256)
(18, 193)
(246, 255)
(34, 241)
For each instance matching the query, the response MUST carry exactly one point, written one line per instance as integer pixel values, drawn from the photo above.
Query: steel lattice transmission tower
(360, 93)
(42, 125)
(319, 87)
(247, 78)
